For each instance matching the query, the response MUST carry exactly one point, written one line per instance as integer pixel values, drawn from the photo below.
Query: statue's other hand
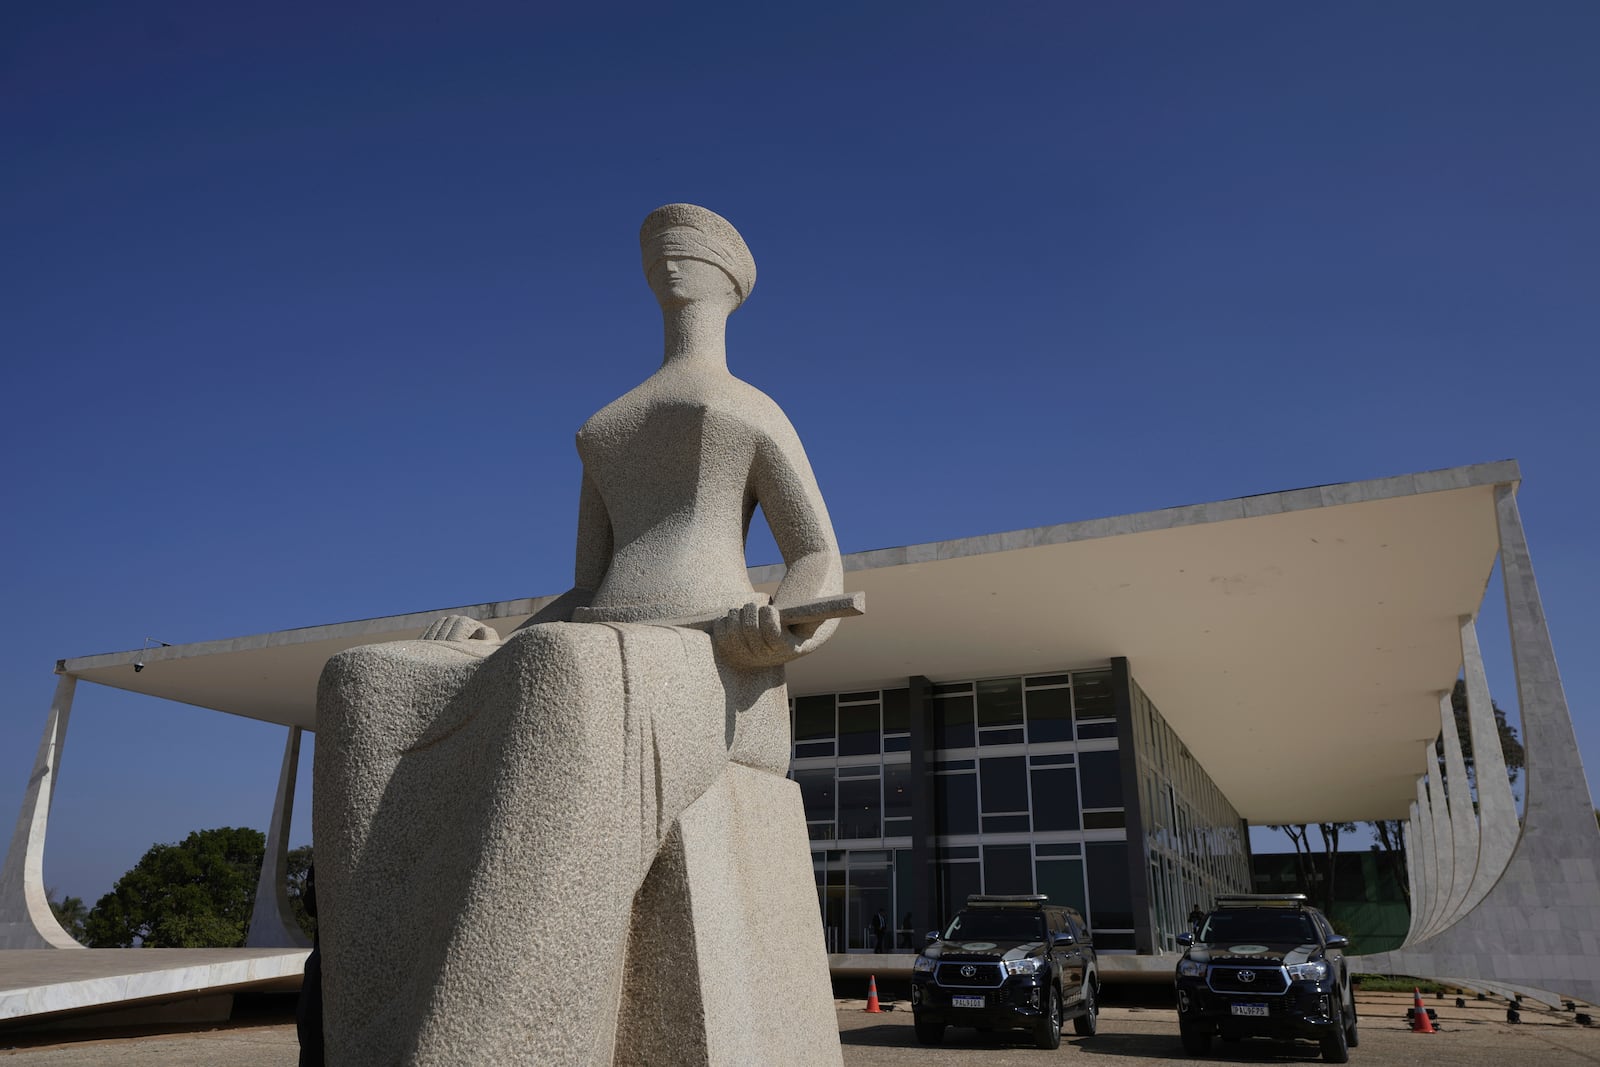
(459, 628)
(754, 636)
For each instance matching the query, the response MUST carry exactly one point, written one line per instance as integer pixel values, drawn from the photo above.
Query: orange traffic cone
(1420, 1023)
(872, 995)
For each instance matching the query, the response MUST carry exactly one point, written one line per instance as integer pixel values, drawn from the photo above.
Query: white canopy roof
(1297, 642)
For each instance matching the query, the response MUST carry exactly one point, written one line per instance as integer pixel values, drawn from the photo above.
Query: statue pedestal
(726, 962)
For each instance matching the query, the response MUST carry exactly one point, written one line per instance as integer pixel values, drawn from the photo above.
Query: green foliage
(70, 912)
(1510, 747)
(300, 866)
(197, 894)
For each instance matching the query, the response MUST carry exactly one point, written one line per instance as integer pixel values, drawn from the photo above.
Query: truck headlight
(1308, 972)
(1031, 965)
(924, 965)
(1188, 968)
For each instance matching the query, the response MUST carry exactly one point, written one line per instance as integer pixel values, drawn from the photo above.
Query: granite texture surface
(518, 839)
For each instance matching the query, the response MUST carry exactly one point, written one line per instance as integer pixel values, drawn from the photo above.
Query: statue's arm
(782, 483)
(592, 560)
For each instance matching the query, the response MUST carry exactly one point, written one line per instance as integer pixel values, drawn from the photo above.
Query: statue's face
(678, 280)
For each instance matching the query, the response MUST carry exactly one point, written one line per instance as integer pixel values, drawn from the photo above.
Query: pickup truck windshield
(1249, 926)
(996, 926)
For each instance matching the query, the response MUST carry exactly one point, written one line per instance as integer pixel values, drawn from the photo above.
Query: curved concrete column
(1538, 928)
(1498, 828)
(1427, 863)
(1463, 821)
(26, 920)
(1409, 838)
(1443, 843)
(272, 922)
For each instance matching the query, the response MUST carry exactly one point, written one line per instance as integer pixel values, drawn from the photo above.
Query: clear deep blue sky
(301, 304)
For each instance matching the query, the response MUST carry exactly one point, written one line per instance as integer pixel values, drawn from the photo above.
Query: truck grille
(983, 976)
(1267, 981)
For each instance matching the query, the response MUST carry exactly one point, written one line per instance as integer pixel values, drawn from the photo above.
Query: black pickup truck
(1006, 963)
(1266, 966)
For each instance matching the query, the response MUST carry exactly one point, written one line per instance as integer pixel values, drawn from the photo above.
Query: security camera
(138, 666)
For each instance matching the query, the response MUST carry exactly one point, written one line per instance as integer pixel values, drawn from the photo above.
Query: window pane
(1000, 702)
(1091, 694)
(897, 791)
(953, 722)
(958, 803)
(813, 748)
(1000, 737)
(858, 729)
(1102, 779)
(1088, 730)
(1007, 869)
(1055, 798)
(1050, 715)
(1108, 884)
(1062, 882)
(897, 744)
(816, 793)
(896, 710)
(1005, 788)
(908, 935)
(859, 808)
(1005, 824)
(1104, 820)
(957, 881)
(813, 718)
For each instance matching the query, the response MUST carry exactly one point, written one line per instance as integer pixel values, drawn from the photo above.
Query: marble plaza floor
(1131, 1035)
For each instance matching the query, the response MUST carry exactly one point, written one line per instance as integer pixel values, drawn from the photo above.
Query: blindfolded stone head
(678, 232)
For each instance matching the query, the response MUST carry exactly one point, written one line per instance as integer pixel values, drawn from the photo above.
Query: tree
(299, 867)
(70, 912)
(1511, 748)
(1330, 832)
(198, 894)
(1299, 835)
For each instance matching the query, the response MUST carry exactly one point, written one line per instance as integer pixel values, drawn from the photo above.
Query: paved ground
(1476, 1036)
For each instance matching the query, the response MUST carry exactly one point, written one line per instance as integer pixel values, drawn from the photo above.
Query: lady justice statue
(576, 845)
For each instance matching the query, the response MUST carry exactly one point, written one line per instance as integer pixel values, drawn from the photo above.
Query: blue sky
(300, 305)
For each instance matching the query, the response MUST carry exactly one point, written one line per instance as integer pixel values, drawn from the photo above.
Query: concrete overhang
(1296, 642)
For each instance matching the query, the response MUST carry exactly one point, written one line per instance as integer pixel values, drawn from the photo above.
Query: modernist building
(1097, 711)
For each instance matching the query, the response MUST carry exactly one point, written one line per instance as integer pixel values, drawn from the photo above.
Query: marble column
(1538, 926)
(272, 923)
(1463, 822)
(26, 920)
(1409, 838)
(1427, 863)
(1498, 828)
(1443, 844)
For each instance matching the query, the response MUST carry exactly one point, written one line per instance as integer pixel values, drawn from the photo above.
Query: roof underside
(1296, 642)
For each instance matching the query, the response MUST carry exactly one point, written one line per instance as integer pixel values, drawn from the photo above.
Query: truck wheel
(1049, 1033)
(1334, 1047)
(1351, 1038)
(1086, 1024)
(1195, 1043)
(930, 1031)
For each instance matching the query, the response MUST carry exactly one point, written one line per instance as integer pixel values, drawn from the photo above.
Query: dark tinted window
(813, 718)
(1101, 774)
(1000, 702)
(1049, 715)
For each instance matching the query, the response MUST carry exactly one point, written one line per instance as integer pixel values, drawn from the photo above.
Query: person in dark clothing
(1197, 918)
(308, 1011)
(880, 932)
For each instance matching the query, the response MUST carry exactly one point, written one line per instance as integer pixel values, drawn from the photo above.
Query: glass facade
(1195, 844)
(1028, 795)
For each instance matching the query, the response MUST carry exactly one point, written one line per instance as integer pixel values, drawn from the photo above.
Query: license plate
(977, 1002)
(1248, 1009)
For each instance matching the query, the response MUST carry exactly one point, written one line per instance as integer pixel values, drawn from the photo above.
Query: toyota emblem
(968, 971)
(1247, 977)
